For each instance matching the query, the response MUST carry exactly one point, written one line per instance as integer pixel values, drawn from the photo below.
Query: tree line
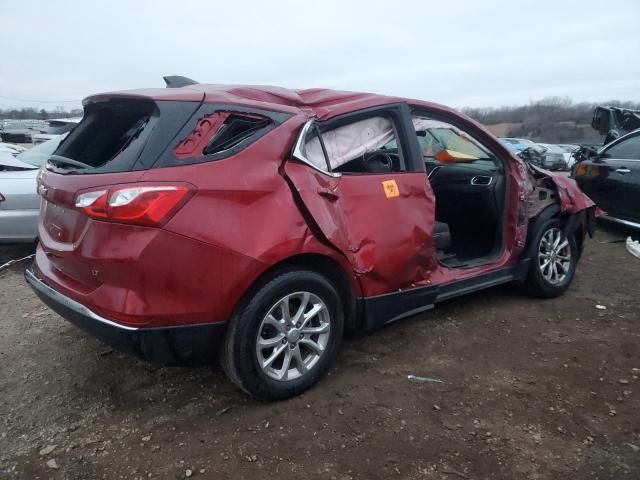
(552, 120)
(38, 114)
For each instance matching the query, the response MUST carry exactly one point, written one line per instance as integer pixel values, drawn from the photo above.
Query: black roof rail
(177, 81)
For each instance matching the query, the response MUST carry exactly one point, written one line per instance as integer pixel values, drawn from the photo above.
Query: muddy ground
(532, 390)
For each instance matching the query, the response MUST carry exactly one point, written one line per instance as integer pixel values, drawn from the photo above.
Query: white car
(11, 148)
(19, 199)
(570, 150)
(56, 127)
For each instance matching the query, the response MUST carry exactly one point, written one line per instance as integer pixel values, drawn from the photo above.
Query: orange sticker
(390, 188)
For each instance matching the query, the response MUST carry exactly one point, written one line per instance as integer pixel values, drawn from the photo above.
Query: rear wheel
(285, 337)
(553, 262)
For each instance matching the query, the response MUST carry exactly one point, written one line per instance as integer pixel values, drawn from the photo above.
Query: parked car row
(35, 131)
(19, 200)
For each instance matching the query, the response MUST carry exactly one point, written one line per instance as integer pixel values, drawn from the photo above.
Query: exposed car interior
(467, 179)
(469, 185)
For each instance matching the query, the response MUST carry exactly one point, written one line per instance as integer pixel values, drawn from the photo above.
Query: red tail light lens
(1, 197)
(151, 205)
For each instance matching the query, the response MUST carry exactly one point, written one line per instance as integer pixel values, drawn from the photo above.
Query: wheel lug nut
(293, 345)
(288, 327)
(302, 335)
(284, 340)
(298, 325)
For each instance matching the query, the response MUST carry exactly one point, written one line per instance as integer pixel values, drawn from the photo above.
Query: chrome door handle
(623, 170)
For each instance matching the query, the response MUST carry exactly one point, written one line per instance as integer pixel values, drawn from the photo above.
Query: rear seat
(442, 236)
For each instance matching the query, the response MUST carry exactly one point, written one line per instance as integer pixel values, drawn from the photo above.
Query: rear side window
(234, 130)
(217, 132)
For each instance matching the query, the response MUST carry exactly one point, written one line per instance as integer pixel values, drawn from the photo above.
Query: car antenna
(177, 81)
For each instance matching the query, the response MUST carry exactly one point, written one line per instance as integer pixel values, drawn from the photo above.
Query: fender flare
(579, 222)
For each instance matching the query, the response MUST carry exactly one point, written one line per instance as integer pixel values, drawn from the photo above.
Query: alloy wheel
(293, 336)
(554, 256)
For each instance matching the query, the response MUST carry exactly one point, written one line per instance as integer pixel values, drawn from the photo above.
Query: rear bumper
(176, 345)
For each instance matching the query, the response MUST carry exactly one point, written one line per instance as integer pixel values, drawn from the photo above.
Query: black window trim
(604, 153)
(168, 159)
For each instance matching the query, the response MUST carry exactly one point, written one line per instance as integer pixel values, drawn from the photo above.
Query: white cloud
(487, 53)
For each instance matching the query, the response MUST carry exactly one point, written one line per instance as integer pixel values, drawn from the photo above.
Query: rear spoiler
(177, 81)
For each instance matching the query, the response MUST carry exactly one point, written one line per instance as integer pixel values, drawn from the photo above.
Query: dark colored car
(16, 132)
(553, 157)
(611, 177)
(613, 122)
(258, 223)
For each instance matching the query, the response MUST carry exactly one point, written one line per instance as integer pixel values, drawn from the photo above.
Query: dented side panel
(383, 223)
(572, 199)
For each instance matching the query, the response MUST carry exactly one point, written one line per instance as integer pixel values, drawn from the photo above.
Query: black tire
(239, 358)
(536, 283)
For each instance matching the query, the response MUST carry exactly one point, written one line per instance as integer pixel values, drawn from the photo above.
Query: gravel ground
(531, 389)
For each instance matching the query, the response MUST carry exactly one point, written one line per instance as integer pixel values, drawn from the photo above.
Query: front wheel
(286, 336)
(553, 261)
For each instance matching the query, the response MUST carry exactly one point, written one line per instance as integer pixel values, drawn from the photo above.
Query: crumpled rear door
(382, 223)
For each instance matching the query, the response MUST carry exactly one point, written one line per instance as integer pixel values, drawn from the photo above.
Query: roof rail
(177, 81)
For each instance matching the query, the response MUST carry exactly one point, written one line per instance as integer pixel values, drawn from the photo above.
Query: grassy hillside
(552, 120)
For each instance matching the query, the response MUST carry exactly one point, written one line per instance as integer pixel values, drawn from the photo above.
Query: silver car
(19, 200)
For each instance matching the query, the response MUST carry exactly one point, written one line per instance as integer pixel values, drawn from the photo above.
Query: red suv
(259, 223)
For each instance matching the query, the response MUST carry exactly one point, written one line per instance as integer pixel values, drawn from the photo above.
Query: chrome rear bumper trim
(67, 302)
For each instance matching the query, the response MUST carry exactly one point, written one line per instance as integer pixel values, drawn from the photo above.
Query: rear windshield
(107, 132)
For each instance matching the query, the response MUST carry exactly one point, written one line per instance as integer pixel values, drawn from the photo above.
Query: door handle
(623, 170)
(330, 195)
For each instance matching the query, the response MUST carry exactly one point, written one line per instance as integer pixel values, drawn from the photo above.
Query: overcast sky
(487, 53)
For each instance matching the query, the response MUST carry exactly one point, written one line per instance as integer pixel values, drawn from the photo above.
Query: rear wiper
(68, 161)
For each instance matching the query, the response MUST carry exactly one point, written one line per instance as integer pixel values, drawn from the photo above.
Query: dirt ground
(532, 390)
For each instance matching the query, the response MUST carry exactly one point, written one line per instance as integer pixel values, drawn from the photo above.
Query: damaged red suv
(258, 223)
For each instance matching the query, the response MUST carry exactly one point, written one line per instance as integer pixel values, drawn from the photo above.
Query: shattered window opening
(235, 129)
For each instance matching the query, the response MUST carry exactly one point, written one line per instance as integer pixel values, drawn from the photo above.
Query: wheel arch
(319, 263)
(534, 226)
(572, 223)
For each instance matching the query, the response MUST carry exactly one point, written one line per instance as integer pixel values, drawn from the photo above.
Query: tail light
(2, 198)
(145, 205)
